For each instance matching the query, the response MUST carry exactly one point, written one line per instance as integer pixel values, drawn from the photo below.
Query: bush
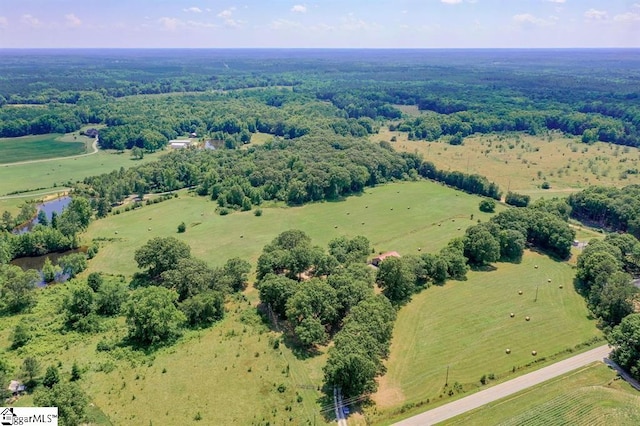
(224, 211)
(517, 200)
(181, 228)
(545, 185)
(257, 212)
(487, 206)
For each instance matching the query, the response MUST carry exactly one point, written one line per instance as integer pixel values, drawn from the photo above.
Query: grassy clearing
(425, 215)
(229, 374)
(522, 162)
(39, 147)
(60, 171)
(466, 327)
(592, 395)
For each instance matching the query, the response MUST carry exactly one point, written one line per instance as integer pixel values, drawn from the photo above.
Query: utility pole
(446, 381)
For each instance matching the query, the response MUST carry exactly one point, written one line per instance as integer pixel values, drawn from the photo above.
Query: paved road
(494, 393)
(337, 406)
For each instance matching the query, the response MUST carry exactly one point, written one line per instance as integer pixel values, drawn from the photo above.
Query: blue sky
(320, 23)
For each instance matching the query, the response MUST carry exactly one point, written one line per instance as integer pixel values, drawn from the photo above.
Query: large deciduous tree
(161, 254)
(625, 339)
(397, 280)
(152, 315)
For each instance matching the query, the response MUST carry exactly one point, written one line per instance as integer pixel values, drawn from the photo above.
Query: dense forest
(464, 92)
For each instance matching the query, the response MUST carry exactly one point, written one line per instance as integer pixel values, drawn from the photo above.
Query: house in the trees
(376, 261)
(16, 388)
(91, 133)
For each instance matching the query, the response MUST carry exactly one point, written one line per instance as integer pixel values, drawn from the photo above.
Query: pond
(56, 205)
(36, 262)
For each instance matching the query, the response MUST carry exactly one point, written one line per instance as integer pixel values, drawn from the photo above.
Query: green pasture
(42, 176)
(592, 395)
(27, 148)
(465, 327)
(404, 217)
(521, 163)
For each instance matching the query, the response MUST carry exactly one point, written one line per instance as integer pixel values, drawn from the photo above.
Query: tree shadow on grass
(287, 336)
(483, 268)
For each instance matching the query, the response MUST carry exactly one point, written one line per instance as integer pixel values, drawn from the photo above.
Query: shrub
(182, 227)
(257, 212)
(487, 206)
(517, 200)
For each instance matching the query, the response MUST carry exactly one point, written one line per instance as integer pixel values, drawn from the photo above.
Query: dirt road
(507, 388)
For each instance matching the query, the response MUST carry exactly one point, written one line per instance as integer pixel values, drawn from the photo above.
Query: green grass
(425, 215)
(521, 162)
(592, 395)
(228, 373)
(44, 175)
(39, 147)
(466, 326)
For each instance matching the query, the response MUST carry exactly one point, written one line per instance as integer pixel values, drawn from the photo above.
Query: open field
(465, 328)
(229, 373)
(425, 215)
(39, 147)
(58, 172)
(521, 162)
(592, 395)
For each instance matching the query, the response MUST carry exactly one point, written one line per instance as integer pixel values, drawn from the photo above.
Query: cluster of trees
(617, 209)
(517, 200)
(310, 168)
(57, 235)
(471, 183)
(16, 289)
(605, 271)
(177, 289)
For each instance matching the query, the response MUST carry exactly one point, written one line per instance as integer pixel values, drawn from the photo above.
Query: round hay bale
(149, 229)
(508, 351)
(363, 223)
(366, 207)
(534, 353)
(149, 218)
(549, 280)
(560, 286)
(241, 236)
(459, 229)
(439, 224)
(512, 315)
(391, 208)
(408, 208)
(536, 266)
(527, 318)
(520, 292)
(348, 213)
(336, 226)
(116, 232)
(419, 249)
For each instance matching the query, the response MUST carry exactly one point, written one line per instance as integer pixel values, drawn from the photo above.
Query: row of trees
(617, 209)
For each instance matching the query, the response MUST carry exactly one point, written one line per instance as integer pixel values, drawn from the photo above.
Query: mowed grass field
(39, 147)
(465, 326)
(404, 217)
(42, 176)
(589, 396)
(521, 163)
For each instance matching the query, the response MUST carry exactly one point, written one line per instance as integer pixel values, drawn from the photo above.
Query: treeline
(471, 183)
(616, 209)
(605, 271)
(591, 127)
(294, 171)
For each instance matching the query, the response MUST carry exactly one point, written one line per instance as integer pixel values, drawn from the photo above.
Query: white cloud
(556, 1)
(229, 21)
(627, 17)
(3, 22)
(527, 18)
(30, 20)
(636, 5)
(451, 1)
(226, 13)
(170, 23)
(299, 8)
(192, 9)
(351, 23)
(72, 20)
(596, 15)
(284, 24)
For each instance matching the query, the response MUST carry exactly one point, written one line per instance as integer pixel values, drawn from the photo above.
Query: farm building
(16, 388)
(92, 133)
(179, 143)
(378, 259)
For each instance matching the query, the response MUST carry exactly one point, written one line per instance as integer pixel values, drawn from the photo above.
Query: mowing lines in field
(568, 409)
